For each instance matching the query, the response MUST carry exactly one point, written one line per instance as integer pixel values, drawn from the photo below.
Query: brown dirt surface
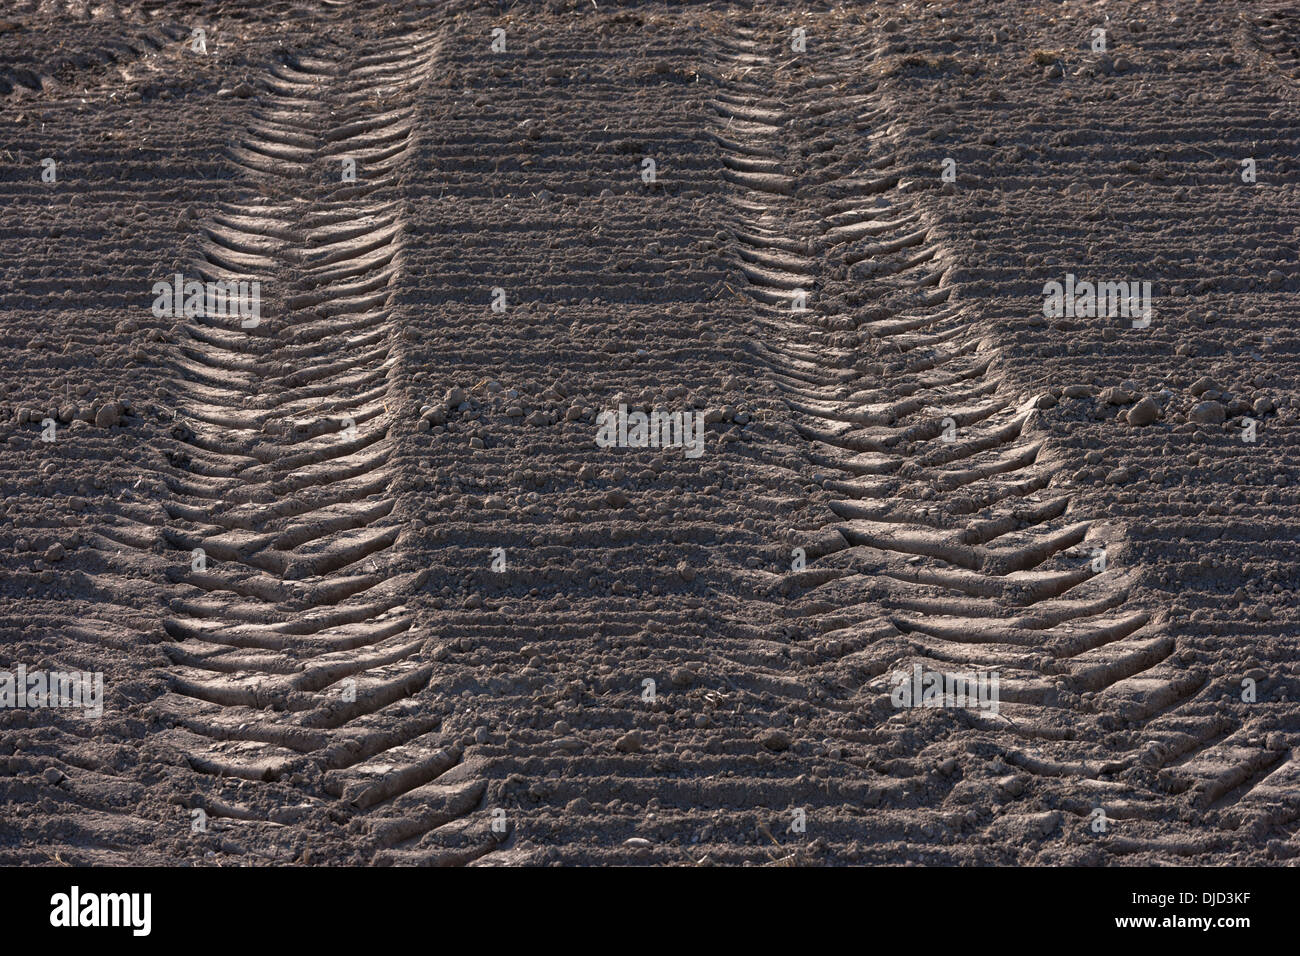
(363, 585)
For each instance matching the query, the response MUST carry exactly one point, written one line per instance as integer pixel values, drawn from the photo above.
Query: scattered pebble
(1143, 413)
(108, 415)
(1209, 413)
(775, 739)
(1011, 785)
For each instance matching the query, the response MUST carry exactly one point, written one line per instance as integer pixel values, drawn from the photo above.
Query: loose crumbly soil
(346, 679)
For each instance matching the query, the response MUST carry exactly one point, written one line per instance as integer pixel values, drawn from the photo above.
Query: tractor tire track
(294, 648)
(1273, 32)
(131, 35)
(424, 597)
(948, 492)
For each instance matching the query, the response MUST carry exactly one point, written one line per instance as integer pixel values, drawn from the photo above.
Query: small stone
(1263, 406)
(1208, 413)
(476, 442)
(1047, 822)
(108, 415)
(629, 743)
(454, 397)
(775, 739)
(1011, 785)
(1117, 396)
(1078, 391)
(54, 552)
(1202, 385)
(1143, 413)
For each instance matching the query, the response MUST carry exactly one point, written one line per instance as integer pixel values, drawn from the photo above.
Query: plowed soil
(362, 584)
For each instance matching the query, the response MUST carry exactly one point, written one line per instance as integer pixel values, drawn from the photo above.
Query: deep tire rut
(294, 646)
(954, 545)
